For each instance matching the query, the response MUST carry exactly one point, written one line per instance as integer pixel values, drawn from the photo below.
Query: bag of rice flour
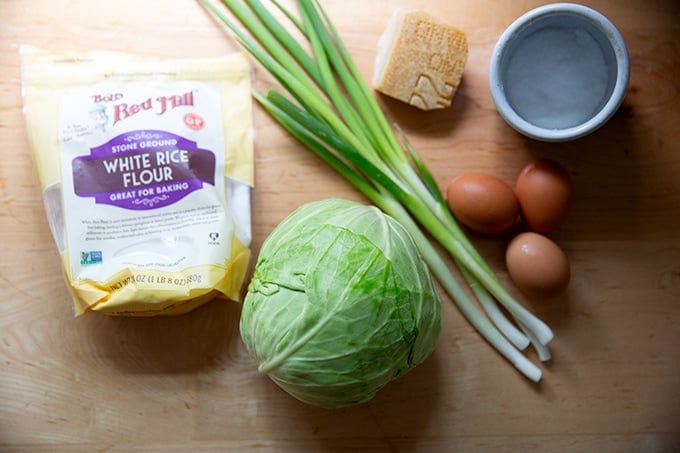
(146, 168)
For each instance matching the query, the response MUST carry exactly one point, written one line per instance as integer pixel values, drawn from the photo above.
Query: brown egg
(544, 192)
(537, 266)
(482, 202)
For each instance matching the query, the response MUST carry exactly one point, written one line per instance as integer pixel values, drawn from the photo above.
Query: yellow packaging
(146, 167)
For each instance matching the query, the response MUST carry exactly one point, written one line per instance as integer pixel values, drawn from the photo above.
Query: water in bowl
(559, 76)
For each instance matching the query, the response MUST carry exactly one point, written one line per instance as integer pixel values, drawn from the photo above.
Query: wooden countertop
(185, 383)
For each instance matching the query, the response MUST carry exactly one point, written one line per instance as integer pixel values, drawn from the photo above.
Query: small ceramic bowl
(559, 72)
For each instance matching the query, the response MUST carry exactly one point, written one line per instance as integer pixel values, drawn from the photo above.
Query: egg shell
(544, 192)
(537, 265)
(483, 202)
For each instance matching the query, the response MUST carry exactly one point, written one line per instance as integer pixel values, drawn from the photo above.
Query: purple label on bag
(143, 169)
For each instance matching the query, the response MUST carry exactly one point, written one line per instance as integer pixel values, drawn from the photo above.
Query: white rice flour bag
(146, 167)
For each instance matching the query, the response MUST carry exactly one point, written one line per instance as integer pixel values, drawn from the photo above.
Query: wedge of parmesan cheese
(420, 60)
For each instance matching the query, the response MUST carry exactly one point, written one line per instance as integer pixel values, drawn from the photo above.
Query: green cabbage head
(340, 304)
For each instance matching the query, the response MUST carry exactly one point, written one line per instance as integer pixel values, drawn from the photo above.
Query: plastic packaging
(146, 167)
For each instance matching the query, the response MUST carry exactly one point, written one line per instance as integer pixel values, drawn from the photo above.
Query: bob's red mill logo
(160, 105)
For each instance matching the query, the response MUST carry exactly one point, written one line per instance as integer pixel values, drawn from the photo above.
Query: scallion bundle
(329, 108)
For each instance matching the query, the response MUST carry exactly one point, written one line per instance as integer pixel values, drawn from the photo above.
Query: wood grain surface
(185, 383)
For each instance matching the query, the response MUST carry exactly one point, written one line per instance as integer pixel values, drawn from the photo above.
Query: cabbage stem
(333, 112)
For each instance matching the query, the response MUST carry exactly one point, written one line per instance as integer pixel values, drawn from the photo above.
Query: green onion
(327, 106)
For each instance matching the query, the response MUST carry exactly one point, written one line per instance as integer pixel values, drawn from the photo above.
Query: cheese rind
(420, 60)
